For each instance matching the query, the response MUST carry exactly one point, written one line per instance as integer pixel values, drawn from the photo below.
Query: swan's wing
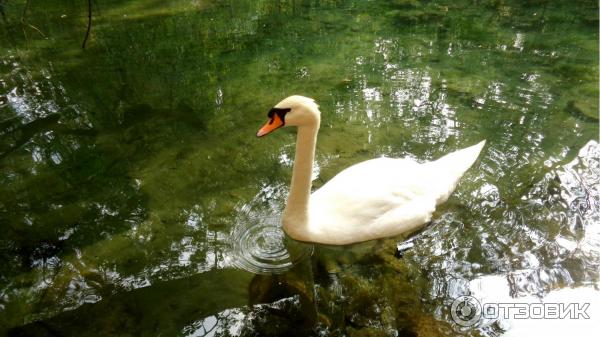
(385, 196)
(375, 198)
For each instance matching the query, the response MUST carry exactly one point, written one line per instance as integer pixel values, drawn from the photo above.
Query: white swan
(373, 199)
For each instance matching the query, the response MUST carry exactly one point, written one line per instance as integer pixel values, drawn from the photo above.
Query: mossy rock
(586, 109)
(583, 102)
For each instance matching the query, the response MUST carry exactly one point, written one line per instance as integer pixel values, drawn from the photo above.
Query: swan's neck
(295, 216)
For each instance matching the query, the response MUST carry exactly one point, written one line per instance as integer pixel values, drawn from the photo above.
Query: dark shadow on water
(161, 309)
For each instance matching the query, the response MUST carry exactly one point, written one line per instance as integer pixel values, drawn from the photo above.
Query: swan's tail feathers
(454, 165)
(458, 162)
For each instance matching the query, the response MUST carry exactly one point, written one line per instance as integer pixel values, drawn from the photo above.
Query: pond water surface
(126, 166)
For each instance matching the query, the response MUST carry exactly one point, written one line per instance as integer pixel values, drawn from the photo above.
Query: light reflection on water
(536, 260)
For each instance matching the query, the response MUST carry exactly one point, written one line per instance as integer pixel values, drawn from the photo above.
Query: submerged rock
(583, 110)
(583, 100)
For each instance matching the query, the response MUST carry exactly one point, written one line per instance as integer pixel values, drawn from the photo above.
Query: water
(126, 167)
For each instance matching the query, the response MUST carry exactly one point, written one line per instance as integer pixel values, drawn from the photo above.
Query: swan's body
(373, 199)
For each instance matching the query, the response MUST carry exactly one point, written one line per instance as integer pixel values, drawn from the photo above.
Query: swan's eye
(279, 112)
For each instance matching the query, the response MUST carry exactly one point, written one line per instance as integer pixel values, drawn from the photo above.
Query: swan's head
(292, 111)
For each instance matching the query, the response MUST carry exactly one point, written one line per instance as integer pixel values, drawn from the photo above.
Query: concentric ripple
(263, 248)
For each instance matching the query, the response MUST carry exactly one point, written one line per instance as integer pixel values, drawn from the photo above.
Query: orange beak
(273, 124)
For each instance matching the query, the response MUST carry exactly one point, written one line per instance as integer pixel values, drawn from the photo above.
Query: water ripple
(260, 246)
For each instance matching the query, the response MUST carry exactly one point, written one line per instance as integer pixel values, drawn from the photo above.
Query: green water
(125, 166)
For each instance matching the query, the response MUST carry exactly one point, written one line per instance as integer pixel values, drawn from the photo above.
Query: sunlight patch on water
(496, 289)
